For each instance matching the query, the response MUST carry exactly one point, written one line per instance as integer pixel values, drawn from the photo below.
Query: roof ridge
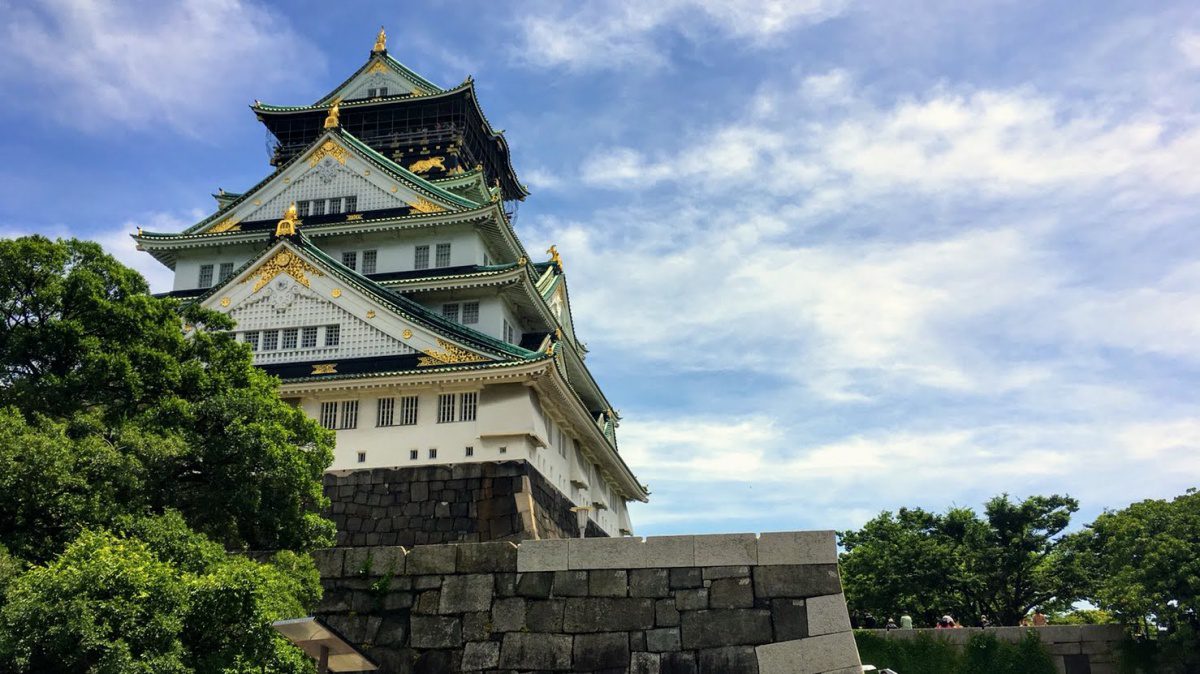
(397, 67)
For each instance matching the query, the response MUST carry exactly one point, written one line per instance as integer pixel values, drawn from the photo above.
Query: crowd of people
(946, 622)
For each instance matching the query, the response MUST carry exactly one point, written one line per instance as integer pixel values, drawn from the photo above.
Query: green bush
(928, 654)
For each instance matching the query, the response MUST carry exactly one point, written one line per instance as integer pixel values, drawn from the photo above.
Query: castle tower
(375, 271)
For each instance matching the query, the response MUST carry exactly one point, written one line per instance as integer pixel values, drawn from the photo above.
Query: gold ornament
(336, 293)
(554, 256)
(378, 67)
(380, 42)
(331, 120)
(426, 165)
(450, 354)
(284, 262)
(370, 313)
(325, 368)
(407, 334)
(331, 149)
(226, 225)
(225, 301)
(423, 205)
(287, 226)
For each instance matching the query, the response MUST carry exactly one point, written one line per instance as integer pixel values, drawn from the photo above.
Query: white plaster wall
(187, 263)
(358, 87)
(397, 250)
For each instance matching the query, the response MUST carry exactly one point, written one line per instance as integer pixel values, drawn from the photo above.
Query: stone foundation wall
(470, 502)
(1076, 649)
(728, 604)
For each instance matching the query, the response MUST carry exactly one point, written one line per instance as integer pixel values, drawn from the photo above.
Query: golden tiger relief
(426, 165)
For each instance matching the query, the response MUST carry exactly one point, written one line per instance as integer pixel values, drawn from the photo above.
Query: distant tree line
(1139, 565)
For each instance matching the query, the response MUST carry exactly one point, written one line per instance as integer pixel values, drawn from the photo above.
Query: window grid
(470, 451)
(450, 311)
(368, 261)
(421, 257)
(443, 255)
(226, 270)
(329, 415)
(308, 338)
(408, 411)
(333, 335)
(351, 203)
(467, 405)
(385, 411)
(509, 334)
(412, 455)
(289, 337)
(206, 275)
(349, 414)
(433, 452)
(270, 340)
(251, 338)
(445, 408)
(350, 259)
(318, 207)
(362, 457)
(470, 313)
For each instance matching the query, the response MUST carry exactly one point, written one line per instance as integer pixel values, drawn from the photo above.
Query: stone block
(506, 584)
(725, 627)
(428, 602)
(663, 640)
(466, 594)
(356, 563)
(480, 655)
(435, 631)
(392, 632)
(433, 662)
(355, 628)
(1095, 647)
(815, 655)
(665, 613)
(827, 614)
(604, 651)
(726, 550)
(731, 593)
(797, 547)
(497, 557)
(547, 555)
(604, 614)
(718, 572)
(685, 578)
(644, 663)
(477, 626)
(649, 583)
(535, 584)
(678, 663)
(508, 615)
(608, 583)
(637, 640)
(1064, 648)
(329, 561)
(426, 582)
(694, 599)
(728, 660)
(790, 617)
(431, 559)
(631, 552)
(528, 651)
(570, 583)
(544, 615)
(809, 580)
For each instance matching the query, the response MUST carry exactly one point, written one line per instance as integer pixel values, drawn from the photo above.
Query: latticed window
(318, 207)
(433, 452)
(369, 257)
(226, 270)
(445, 408)
(470, 451)
(335, 205)
(303, 208)
(289, 337)
(270, 340)
(308, 338)
(408, 411)
(421, 257)
(350, 259)
(333, 335)
(385, 411)
(470, 313)
(510, 335)
(443, 255)
(251, 338)
(450, 311)
(329, 415)
(206, 278)
(466, 410)
(413, 454)
(349, 414)
(351, 204)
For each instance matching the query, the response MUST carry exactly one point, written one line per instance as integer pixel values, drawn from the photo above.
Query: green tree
(155, 598)
(133, 404)
(1001, 565)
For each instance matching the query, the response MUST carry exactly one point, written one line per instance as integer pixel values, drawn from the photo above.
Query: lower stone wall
(470, 502)
(1076, 649)
(728, 604)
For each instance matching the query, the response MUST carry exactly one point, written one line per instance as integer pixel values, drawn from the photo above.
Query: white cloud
(622, 35)
(147, 63)
(1189, 47)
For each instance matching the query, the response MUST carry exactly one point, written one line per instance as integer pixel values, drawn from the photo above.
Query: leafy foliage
(126, 414)
(1001, 565)
(927, 654)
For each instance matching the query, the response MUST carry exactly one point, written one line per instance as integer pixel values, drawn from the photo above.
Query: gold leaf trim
(354, 216)
(407, 334)
(227, 225)
(370, 313)
(423, 205)
(378, 67)
(450, 354)
(225, 301)
(328, 148)
(284, 262)
(335, 293)
(325, 368)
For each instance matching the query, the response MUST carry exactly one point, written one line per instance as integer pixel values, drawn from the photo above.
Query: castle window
(408, 411)
(350, 259)
(318, 207)
(349, 414)
(303, 208)
(385, 411)
(445, 408)
(443, 255)
(432, 453)
(504, 450)
(412, 455)
(362, 457)
(351, 203)
(421, 257)
(466, 409)
(251, 338)
(450, 311)
(308, 338)
(335, 205)
(369, 257)
(206, 279)
(333, 335)
(470, 451)
(329, 415)
(383, 91)
(470, 313)
(510, 335)
(289, 338)
(270, 340)
(226, 270)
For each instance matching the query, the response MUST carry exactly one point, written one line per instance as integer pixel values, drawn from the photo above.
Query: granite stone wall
(728, 604)
(470, 502)
(1076, 649)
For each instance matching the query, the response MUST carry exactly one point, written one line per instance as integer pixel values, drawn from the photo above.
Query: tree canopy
(1000, 565)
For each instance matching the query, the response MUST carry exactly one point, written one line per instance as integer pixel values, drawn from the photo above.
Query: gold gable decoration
(423, 205)
(380, 42)
(378, 67)
(449, 355)
(332, 119)
(284, 262)
(331, 149)
(287, 226)
(226, 225)
(427, 165)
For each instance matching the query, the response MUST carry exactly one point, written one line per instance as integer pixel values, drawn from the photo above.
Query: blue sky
(830, 257)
